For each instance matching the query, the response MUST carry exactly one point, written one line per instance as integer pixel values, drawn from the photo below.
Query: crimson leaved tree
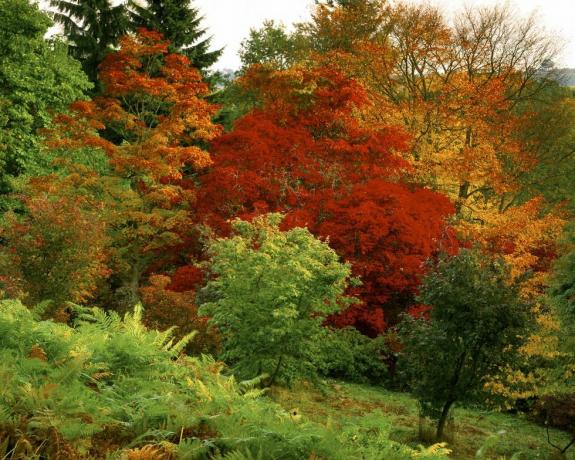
(303, 152)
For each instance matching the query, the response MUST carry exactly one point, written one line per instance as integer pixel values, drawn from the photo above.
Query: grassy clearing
(341, 405)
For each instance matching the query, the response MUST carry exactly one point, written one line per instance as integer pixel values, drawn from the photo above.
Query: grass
(499, 436)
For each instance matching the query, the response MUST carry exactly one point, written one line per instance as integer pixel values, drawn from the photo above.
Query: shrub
(349, 355)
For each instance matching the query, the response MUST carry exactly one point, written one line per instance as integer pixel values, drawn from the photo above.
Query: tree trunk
(443, 420)
(276, 371)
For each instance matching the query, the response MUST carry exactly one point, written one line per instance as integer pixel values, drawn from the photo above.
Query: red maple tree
(304, 152)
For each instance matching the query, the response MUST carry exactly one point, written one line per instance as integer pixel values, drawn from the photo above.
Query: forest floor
(474, 433)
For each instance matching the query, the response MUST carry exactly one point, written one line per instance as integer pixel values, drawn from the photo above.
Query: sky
(229, 21)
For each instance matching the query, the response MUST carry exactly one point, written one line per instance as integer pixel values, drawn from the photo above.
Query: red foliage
(186, 278)
(303, 152)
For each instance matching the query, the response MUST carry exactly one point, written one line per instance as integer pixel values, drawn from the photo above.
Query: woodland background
(372, 219)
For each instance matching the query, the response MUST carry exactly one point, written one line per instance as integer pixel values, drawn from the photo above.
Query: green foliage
(111, 388)
(270, 292)
(179, 22)
(549, 131)
(476, 323)
(37, 78)
(562, 288)
(555, 405)
(371, 412)
(271, 45)
(349, 355)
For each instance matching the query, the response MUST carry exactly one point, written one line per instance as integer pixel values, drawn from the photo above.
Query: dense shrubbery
(349, 355)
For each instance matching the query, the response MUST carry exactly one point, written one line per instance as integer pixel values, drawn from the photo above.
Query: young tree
(271, 45)
(179, 22)
(269, 295)
(36, 78)
(57, 250)
(93, 28)
(476, 323)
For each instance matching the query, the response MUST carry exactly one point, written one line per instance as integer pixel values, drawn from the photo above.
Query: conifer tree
(180, 23)
(93, 27)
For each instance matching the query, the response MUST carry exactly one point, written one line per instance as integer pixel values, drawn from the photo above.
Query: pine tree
(179, 22)
(93, 27)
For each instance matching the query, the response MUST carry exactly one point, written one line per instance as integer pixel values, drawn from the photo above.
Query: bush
(349, 355)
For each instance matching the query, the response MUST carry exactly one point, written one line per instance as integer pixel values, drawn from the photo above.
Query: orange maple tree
(153, 121)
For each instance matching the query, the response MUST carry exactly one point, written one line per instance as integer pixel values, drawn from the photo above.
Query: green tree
(272, 45)
(36, 78)
(270, 293)
(180, 23)
(475, 324)
(92, 27)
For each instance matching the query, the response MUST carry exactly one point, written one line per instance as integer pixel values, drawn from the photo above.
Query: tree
(93, 28)
(36, 78)
(476, 323)
(302, 152)
(271, 44)
(476, 95)
(269, 293)
(179, 22)
(152, 121)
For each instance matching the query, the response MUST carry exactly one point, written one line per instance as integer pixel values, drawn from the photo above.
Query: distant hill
(567, 77)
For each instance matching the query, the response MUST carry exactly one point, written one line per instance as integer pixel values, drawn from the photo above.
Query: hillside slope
(474, 433)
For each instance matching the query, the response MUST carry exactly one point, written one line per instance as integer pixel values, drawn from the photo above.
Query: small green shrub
(349, 355)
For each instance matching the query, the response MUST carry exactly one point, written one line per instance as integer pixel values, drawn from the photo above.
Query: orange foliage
(56, 251)
(165, 308)
(151, 116)
(152, 120)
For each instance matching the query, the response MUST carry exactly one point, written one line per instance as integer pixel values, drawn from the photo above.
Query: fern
(111, 377)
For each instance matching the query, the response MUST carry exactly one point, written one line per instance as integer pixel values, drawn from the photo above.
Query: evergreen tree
(92, 27)
(179, 22)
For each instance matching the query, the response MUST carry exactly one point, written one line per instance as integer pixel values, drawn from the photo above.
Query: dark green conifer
(180, 23)
(92, 28)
